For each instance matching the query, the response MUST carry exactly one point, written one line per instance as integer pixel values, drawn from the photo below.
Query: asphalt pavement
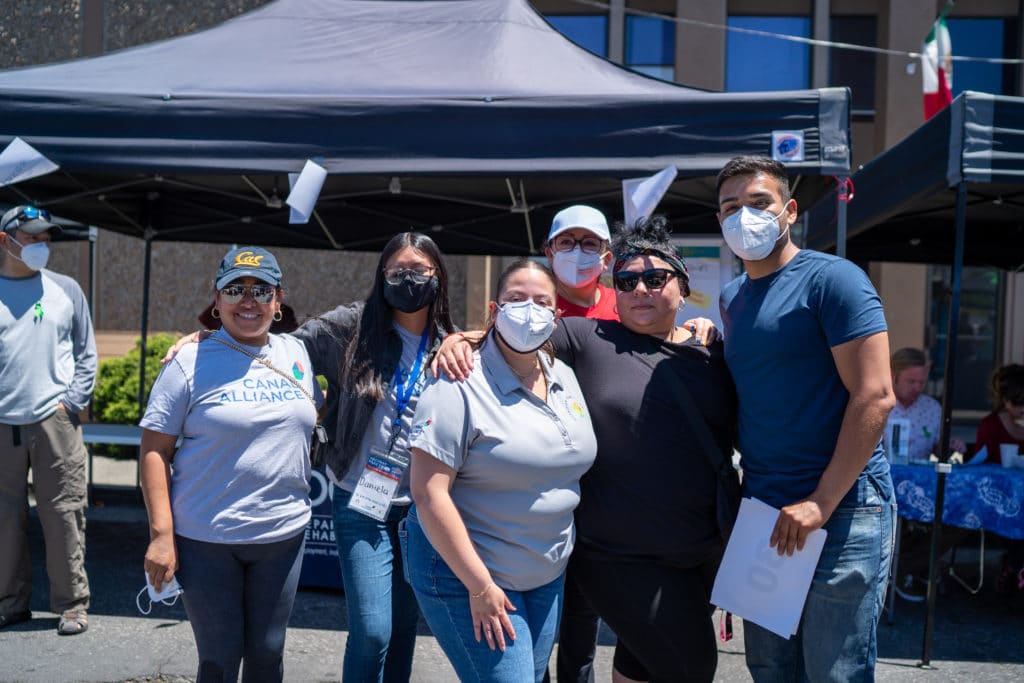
(977, 637)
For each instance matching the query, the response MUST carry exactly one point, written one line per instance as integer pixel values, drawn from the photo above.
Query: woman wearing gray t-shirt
(228, 508)
(495, 479)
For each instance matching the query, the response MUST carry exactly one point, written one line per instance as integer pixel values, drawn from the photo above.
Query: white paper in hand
(640, 196)
(756, 583)
(305, 190)
(21, 161)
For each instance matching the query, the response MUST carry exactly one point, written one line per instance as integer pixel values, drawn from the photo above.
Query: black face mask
(409, 295)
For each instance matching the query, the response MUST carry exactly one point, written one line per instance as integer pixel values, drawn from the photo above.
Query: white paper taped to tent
(21, 161)
(305, 189)
(640, 196)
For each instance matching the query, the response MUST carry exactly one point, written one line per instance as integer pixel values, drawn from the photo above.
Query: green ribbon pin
(39, 312)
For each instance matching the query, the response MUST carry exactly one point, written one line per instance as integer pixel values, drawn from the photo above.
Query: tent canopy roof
(485, 114)
(904, 206)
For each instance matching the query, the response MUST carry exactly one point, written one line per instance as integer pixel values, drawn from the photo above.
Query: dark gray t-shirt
(651, 491)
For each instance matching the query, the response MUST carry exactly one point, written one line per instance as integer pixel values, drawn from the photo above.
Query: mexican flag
(937, 66)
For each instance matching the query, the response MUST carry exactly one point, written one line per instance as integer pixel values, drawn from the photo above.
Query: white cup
(1008, 454)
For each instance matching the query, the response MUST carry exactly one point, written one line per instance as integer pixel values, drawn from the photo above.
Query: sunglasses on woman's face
(261, 294)
(654, 278)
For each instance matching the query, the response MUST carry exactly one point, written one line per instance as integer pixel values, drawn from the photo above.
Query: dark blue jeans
(382, 611)
(836, 639)
(238, 598)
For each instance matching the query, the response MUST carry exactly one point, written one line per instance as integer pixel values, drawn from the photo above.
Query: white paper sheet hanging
(305, 189)
(20, 161)
(640, 196)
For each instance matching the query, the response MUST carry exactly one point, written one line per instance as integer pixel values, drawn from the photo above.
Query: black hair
(361, 371)
(649, 237)
(1007, 385)
(756, 165)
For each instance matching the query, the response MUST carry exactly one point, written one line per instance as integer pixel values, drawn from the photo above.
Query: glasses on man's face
(261, 294)
(420, 274)
(654, 278)
(590, 245)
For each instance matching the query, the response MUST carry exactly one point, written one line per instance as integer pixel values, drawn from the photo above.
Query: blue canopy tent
(472, 119)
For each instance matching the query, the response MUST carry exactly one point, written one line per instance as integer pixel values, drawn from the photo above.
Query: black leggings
(660, 613)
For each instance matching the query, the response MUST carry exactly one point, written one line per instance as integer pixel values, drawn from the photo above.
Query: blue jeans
(382, 612)
(238, 598)
(836, 640)
(445, 605)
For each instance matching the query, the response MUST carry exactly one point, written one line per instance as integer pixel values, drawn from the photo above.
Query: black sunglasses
(654, 278)
(261, 294)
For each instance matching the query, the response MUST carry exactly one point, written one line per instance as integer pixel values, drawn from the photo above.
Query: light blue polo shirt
(518, 461)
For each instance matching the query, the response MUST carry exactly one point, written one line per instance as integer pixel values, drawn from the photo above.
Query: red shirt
(991, 433)
(604, 309)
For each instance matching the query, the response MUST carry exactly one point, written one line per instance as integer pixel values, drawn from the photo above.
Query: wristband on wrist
(481, 593)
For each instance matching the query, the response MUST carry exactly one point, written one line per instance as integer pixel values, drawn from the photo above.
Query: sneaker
(14, 618)
(72, 622)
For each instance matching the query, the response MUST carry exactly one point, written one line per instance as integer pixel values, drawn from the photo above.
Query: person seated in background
(1005, 425)
(915, 423)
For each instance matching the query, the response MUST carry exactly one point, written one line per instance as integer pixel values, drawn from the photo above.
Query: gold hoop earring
(215, 313)
(278, 316)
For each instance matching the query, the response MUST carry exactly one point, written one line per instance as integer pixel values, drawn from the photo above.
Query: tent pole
(841, 202)
(942, 467)
(145, 321)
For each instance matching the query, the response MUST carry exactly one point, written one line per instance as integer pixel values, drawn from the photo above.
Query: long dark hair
(361, 372)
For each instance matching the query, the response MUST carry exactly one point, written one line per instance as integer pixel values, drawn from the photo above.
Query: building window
(982, 38)
(977, 349)
(651, 46)
(755, 63)
(588, 31)
(854, 68)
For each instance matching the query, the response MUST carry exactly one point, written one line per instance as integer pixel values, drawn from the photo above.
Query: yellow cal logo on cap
(247, 258)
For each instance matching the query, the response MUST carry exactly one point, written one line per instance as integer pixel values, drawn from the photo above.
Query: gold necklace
(524, 375)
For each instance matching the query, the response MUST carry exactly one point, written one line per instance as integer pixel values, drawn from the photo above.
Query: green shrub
(116, 398)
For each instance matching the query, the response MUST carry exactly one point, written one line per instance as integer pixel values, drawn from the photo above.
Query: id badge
(377, 484)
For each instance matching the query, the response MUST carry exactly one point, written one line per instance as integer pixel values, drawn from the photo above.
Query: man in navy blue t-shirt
(806, 342)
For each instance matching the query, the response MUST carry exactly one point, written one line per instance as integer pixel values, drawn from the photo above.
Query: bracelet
(481, 593)
(458, 334)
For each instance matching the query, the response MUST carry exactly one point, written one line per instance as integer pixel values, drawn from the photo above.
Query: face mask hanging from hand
(577, 268)
(34, 255)
(752, 233)
(524, 325)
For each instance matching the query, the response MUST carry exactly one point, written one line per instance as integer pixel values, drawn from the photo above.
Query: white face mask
(576, 268)
(752, 233)
(33, 255)
(167, 595)
(524, 325)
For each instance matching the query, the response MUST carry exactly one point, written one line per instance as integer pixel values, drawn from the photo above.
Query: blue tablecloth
(977, 496)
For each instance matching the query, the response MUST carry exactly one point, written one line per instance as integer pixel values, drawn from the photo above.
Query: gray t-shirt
(242, 472)
(518, 462)
(378, 433)
(47, 350)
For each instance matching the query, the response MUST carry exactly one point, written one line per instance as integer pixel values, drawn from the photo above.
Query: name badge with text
(377, 485)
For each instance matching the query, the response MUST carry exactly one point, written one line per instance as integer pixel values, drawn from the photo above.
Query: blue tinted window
(977, 38)
(589, 32)
(765, 63)
(650, 41)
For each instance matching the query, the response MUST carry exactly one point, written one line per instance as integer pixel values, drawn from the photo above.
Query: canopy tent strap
(145, 320)
(942, 467)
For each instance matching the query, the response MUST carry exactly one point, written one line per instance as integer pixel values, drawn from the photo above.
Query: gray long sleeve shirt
(47, 348)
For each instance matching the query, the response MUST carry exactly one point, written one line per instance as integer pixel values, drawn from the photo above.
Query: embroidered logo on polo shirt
(573, 407)
(418, 429)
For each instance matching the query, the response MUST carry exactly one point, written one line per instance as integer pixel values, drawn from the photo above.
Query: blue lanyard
(404, 392)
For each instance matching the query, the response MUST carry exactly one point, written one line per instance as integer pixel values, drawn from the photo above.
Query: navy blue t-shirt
(779, 332)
